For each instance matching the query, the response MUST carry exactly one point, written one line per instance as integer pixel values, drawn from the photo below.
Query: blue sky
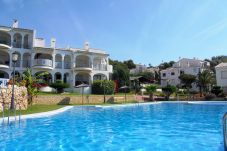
(147, 31)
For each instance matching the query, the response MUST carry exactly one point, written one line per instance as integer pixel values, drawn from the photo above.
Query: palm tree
(205, 80)
(151, 89)
(30, 82)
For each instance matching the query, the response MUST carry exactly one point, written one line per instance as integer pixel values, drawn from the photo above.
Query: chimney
(86, 46)
(15, 23)
(53, 43)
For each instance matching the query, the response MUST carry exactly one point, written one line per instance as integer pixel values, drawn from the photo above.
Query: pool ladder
(224, 131)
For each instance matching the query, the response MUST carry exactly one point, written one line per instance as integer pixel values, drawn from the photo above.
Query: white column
(53, 78)
(22, 41)
(62, 60)
(62, 76)
(74, 61)
(21, 60)
(91, 61)
(73, 78)
(10, 59)
(53, 60)
(11, 34)
(32, 59)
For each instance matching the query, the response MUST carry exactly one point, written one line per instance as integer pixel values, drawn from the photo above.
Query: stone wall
(20, 97)
(63, 99)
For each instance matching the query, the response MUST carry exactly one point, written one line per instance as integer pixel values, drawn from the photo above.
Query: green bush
(216, 90)
(59, 86)
(98, 87)
(168, 90)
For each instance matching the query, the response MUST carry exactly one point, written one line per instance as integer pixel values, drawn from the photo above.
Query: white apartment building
(71, 65)
(183, 66)
(221, 76)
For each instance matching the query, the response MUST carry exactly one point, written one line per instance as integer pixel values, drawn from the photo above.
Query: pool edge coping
(37, 115)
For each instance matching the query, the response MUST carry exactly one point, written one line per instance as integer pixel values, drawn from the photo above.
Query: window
(164, 74)
(172, 73)
(181, 72)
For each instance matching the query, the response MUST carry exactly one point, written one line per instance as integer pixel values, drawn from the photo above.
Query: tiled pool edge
(37, 115)
(126, 105)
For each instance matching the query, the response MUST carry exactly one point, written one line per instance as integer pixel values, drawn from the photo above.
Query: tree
(30, 83)
(120, 72)
(158, 77)
(165, 65)
(99, 86)
(59, 85)
(187, 80)
(168, 90)
(151, 89)
(130, 64)
(205, 79)
(214, 61)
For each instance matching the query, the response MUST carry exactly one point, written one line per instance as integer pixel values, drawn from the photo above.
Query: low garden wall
(20, 97)
(63, 99)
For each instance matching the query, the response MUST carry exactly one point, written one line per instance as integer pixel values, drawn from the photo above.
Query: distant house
(221, 76)
(139, 81)
(138, 69)
(183, 66)
(143, 68)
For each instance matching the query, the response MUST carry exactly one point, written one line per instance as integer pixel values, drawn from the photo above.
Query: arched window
(17, 40)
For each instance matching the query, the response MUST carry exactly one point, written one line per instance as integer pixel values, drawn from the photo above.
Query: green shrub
(59, 86)
(168, 90)
(216, 90)
(98, 87)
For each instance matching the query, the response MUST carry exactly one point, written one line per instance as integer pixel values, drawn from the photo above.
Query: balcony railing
(27, 46)
(5, 42)
(101, 67)
(4, 63)
(58, 64)
(43, 62)
(67, 65)
(83, 65)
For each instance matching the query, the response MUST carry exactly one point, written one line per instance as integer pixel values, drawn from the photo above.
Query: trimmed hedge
(98, 87)
(59, 86)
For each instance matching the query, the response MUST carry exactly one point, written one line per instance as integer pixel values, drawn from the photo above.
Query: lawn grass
(34, 109)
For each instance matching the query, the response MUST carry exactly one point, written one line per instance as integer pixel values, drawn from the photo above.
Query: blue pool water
(157, 127)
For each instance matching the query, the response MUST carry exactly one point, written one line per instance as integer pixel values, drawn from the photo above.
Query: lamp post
(14, 60)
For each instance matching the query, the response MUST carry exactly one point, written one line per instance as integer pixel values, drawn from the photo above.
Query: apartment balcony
(100, 67)
(43, 64)
(5, 44)
(58, 65)
(83, 67)
(4, 64)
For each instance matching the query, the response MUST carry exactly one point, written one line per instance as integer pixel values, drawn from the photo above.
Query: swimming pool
(153, 127)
